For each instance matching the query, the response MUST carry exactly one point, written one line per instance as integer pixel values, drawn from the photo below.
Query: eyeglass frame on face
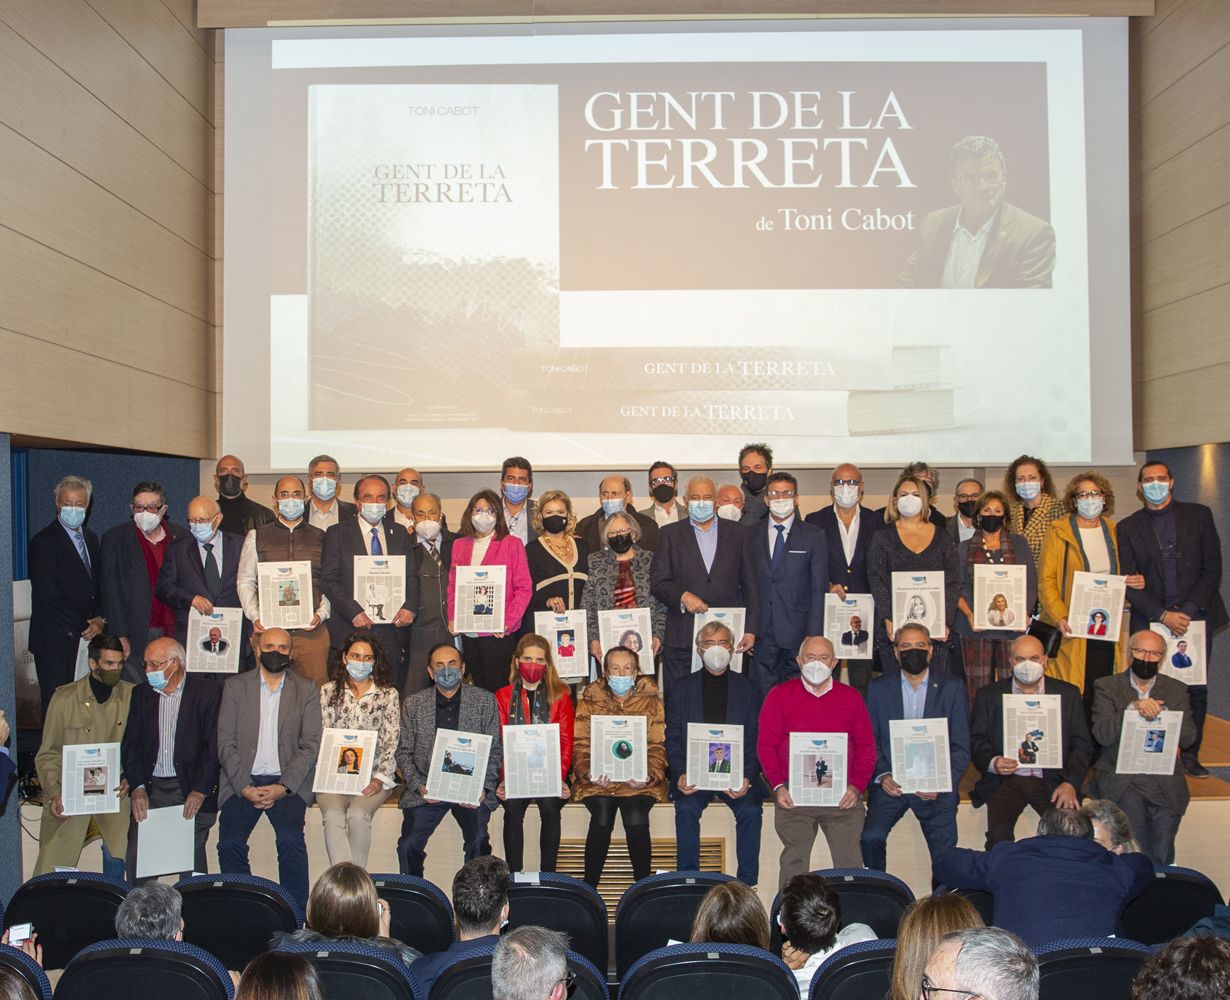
(159, 664)
(569, 980)
(828, 659)
(915, 644)
(1146, 654)
(847, 482)
(787, 494)
(1089, 495)
(663, 481)
(926, 991)
(148, 508)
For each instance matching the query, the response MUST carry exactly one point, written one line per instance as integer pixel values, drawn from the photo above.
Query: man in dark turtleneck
(239, 514)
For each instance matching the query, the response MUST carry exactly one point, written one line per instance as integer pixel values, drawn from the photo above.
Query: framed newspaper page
(1184, 659)
(284, 592)
(818, 768)
(1148, 746)
(380, 586)
(1033, 730)
(214, 641)
(918, 599)
(1095, 606)
(849, 625)
(715, 757)
(631, 627)
(733, 619)
(569, 637)
(345, 761)
(532, 762)
(478, 599)
(920, 756)
(458, 767)
(1000, 597)
(89, 777)
(619, 747)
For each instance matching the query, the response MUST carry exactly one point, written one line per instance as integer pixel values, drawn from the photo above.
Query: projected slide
(596, 248)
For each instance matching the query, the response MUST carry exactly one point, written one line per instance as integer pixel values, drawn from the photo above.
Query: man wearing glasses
(980, 962)
(530, 964)
(132, 555)
(664, 487)
(964, 507)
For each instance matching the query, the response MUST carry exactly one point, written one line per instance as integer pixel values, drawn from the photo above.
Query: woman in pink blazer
(485, 541)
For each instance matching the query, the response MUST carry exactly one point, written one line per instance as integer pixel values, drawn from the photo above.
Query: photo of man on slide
(984, 242)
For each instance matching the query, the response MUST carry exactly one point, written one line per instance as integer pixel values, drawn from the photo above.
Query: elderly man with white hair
(531, 963)
(983, 962)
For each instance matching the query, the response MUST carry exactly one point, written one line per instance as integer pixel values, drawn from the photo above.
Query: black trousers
(488, 660)
(1004, 808)
(1099, 662)
(634, 810)
(514, 832)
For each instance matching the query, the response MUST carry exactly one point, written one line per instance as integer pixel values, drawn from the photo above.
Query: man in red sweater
(815, 703)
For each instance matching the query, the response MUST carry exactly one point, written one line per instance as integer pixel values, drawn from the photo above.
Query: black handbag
(1048, 635)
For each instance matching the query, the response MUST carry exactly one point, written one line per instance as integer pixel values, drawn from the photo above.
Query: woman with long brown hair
(924, 923)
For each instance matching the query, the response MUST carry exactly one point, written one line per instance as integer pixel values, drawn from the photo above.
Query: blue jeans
(419, 823)
(938, 819)
(238, 818)
(748, 814)
(112, 867)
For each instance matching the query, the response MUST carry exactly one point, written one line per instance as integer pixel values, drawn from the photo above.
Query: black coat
(183, 577)
(344, 541)
(126, 591)
(64, 594)
(851, 575)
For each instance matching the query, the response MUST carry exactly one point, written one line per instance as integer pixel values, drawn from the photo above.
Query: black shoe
(1196, 769)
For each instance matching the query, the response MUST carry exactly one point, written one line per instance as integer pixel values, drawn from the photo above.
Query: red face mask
(531, 673)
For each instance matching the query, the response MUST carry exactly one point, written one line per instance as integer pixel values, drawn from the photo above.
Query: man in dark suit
(983, 242)
(1154, 803)
(855, 635)
(63, 562)
(369, 534)
(1006, 786)
(132, 556)
(324, 509)
(239, 514)
(170, 749)
(714, 696)
(792, 577)
(1060, 884)
(214, 643)
(700, 563)
(960, 525)
(849, 527)
(201, 570)
(913, 693)
(1176, 547)
(432, 546)
(615, 497)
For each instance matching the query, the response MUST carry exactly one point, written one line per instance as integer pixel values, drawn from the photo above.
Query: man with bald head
(407, 485)
(290, 538)
(239, 514)
(170, 748)
(324, 507)
(701, 563)
(730, 502)
(1007, 785)
(268, 737)
(615, 497)
(432, 557)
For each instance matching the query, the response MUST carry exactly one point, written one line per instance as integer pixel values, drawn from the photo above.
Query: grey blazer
(478, 714)
(1111, 697)
(239, 723)
(600, 589)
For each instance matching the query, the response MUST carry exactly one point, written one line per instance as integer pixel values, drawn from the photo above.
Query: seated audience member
(810, 922)
(530, 963)
(13, 987)
(923, 926)
(480, 904)
(278, 976)
(981, 962)
(344, 906)
(1059, 884)
(151, 911)
(1111, 828)
(731, 913)
(1188, 968)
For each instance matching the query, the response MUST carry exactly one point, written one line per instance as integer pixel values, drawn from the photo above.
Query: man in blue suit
(716, 697)
(792, 573)
(913, 692)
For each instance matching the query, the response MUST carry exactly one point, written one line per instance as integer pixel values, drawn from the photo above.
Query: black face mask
(619, 543)
(230, 486)
(967, 507)
(913, 661)
(555, 523)
(663, 493)
(991, 522)
(275, 662)
(1145, 670)
(755, 481)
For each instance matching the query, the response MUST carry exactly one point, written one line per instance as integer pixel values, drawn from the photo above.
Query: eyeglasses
(151, 508)
(159, 664)
(962, 497)
(847, 482)
(1145, 654)
(818, 658)
(1089, 495)
(662, 481)
(780, 494)
(929, 991)
(569, 980)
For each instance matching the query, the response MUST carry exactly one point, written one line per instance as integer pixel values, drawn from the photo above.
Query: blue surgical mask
(72, 517)
(324, 488)
(406, 494)
(1029, 491)
(448, 678)
(203, 532)
(372, 513)
(1155, 492)
(291, 508)
(700, 510)
(621, 685)
(157, 679)
(359, 670)
(514, 493)
(1090, 507)
(612, 507)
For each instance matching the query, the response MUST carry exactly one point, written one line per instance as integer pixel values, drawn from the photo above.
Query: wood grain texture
(1187, 186)
(1181, 42)
(1194, 106)
(1184, 336)
(1184, 409)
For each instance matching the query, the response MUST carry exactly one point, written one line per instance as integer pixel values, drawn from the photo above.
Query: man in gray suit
(448, 704)
(1154, 803)
(268, 738)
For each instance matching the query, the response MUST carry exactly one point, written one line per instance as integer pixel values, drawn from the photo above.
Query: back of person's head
(13, 987)
(994, 964)
(1065, 823)
(343, 903)
(529, 963)
(923, 926)
(151, 911)
(1116, 832)
(731, 913)
(1188, 968)
(275, 975)
(480, 895)
(810, 914)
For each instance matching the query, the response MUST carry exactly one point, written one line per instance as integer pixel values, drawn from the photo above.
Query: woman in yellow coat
(1083, 540)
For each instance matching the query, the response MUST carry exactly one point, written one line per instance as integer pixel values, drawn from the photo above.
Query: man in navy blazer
(702, 563)
(714, 696)
(1060, 884)
(912, 693)
(64, 591)
(792, 570)
(185, 772)
(849, 527)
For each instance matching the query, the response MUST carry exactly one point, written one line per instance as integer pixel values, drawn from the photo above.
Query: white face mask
(483, 522)
(782, 507)
(1028, 672)
(909, 505)
(816, 673)
(716, 659)
(146, 521)
(845, 496)
(427, 530)
(730, 512)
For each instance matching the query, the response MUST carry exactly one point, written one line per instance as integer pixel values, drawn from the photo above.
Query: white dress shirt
(787, 524)
(849, 536)
(965, 254)
(246, 581)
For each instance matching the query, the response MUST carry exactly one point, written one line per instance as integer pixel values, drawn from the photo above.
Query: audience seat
(1175, 899)
(21, 964)
(123, 968)
(709, 972)
(420, 914)
(1089, 968)
(658, 909)
(350, 970)
(856, 972)
(980, 899)
(869, 897)
(234, 917)
(562, 903)
(69, 910)
(468, 977)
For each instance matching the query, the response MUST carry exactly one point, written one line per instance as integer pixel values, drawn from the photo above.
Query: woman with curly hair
(1029, 482)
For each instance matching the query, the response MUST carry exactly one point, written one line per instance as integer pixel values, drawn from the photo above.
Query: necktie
(779, 544)
(376, 549)
(435, 554)
(79, 540)
(212, 576)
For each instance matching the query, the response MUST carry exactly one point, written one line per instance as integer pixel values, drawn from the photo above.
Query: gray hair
(634, 527)
(709, 628)
(527, 964)
(919, 469)
(324, 458)
(1115, 820)
(912, 627)
(1065, 823)
(975, 147)
(75, 483)
(687, 487)
(994, 964)
(178, 652)
(150, 911)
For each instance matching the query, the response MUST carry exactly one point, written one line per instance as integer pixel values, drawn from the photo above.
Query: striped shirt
(168, 719)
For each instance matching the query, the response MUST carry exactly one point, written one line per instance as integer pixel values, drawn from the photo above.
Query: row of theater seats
(230, 919)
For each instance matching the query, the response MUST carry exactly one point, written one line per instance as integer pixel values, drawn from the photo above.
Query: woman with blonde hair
(558, 559)
(923, 924)
(731, 913)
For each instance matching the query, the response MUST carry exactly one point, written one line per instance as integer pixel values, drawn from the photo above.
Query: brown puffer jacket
(598, 699)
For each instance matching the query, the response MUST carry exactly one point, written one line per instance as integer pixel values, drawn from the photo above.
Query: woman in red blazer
(535, 695)
(485, 541)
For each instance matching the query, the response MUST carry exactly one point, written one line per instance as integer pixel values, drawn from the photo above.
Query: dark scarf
(540, 708)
